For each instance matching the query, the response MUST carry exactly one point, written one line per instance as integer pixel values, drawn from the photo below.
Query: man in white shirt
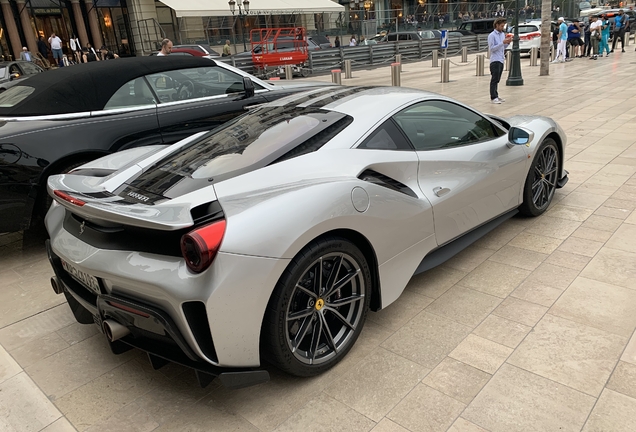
(56, 49)
(166, 47)
(595, 36)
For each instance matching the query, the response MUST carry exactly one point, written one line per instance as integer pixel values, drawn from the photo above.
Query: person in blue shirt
(497, 44)
(562, 38)
(621, 21)
(605, 31)
(574, 39)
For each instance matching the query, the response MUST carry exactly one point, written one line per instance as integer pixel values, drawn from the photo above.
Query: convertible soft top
(89, 86)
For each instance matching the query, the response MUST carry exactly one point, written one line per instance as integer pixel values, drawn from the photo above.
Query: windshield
(14, 95)
(526, 28)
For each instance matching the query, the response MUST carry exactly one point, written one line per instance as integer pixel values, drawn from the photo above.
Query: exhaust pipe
(56, 285)
(114, 330)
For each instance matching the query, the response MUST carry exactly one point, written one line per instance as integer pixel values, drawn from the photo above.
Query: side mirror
(248, 87)
(519, 136)
(13, 76)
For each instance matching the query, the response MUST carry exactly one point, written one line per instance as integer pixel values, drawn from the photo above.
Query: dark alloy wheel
(542, 180)
(318, 308)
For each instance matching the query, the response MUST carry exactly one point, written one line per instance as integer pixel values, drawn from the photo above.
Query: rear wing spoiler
(106, 207)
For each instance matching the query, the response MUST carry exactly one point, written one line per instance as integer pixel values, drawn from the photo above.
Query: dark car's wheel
(542, 179)
(318, 307)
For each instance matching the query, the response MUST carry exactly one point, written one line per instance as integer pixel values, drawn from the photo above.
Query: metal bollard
(508, 57)
(445, 70)
(398, 59)
(289, 72)
(336, 76)
(626, 38)
(488, 53)
(347, 68)
(465, 55)
(481, 61)
(534, 55)
(552, 52)
(435, 58)
(395, 75)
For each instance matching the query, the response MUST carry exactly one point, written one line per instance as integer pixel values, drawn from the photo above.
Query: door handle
(440, 191)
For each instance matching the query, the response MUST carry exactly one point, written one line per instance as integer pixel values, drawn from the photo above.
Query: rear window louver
(317, 141)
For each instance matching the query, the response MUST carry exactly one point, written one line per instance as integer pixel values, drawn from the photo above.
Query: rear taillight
(199, 247)
(66, 197)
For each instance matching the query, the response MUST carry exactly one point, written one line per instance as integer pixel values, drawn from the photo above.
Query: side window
(133, 93)
(386, 137)
(30, 68)
(404, 37)
(468, 26)
(193, 83)
(433, 125)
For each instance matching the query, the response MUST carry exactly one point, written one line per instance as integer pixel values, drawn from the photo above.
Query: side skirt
(449, 250)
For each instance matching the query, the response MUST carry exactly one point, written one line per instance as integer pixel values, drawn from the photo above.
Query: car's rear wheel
(542, 179)
(318, 307)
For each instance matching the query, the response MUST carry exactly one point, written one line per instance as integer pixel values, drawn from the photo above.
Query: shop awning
(201, 8)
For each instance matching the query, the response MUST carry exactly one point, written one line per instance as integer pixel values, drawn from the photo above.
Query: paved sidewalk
(530, 329)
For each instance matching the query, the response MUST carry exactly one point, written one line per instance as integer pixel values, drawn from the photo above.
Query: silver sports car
(271, 236)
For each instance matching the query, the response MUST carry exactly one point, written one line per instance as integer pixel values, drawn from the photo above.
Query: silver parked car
(271, 236)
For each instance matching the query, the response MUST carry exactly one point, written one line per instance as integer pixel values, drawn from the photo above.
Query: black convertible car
(58, 120)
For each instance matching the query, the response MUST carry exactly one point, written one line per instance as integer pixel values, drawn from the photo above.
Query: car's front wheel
(318, 307)
(542, 179)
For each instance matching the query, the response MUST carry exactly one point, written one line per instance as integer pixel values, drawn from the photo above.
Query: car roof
(88, 86)
(479, 20)
(357, 101)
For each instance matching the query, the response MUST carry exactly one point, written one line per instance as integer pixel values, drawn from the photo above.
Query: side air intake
(387, 182)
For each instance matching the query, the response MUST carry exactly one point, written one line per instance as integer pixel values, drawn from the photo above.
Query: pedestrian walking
(605, 31)
(56, 49)
(336, 43)
(620, 24)
(562, 37)
(497, 44)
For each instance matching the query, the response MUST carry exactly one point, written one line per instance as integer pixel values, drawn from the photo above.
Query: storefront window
(114, 22)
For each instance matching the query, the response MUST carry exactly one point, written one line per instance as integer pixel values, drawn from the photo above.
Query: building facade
(98, 22)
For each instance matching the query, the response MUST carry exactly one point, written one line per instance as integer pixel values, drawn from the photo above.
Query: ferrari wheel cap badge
(319, 304)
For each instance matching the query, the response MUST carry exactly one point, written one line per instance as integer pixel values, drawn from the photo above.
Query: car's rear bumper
(150, 329)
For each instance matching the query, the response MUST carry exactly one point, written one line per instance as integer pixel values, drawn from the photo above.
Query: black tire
(291, 344)
(542, 179)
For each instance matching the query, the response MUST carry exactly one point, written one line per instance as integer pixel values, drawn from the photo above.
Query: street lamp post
(514, 75)
(241, 15)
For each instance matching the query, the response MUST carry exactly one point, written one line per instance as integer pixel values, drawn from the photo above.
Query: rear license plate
(85, 279)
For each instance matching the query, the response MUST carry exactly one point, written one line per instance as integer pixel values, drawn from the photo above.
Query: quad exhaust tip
(114, 331)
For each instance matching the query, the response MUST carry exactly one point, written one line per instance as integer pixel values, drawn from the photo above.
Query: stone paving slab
(530, 329)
